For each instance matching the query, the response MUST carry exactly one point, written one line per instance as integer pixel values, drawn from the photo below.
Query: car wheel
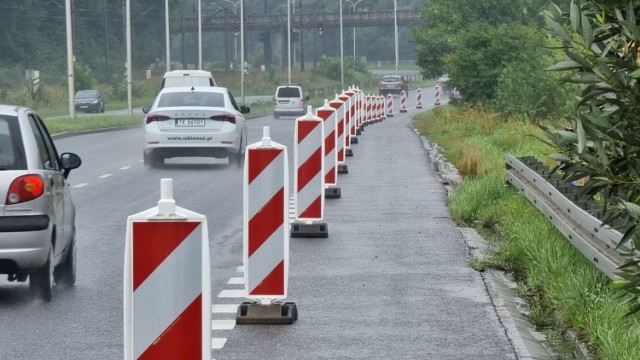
(41, 280)
(146, 158)
(102, 108)
(65, 273)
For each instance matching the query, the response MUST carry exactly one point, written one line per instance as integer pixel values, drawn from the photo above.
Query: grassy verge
(553, 276)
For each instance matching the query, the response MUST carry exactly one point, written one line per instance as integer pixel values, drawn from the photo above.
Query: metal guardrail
(574, 218)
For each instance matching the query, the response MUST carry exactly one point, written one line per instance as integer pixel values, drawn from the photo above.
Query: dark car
(393, 84)
(89, 101)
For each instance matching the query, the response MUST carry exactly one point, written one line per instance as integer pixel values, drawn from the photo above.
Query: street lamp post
(341, 51)
(354, 27)
(235, 33)
(395, 26)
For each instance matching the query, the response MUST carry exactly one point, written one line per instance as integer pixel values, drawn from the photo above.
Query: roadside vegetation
(523, 76)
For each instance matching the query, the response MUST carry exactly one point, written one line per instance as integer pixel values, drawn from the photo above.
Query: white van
(188, 78)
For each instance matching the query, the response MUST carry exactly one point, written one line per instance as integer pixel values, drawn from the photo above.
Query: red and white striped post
(167, 283)
(389, 105)
(403, 101)
(330, 129)
(381, 107)
(418, 98)
(308, 179)
(349, 118)
(266, 235)
(341, 133)
(437, 95)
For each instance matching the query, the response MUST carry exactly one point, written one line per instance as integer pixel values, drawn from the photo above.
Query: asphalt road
(390, 282)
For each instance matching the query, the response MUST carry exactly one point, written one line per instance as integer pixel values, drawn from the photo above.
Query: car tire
(41, 281)
(65, 273)
(102, 108)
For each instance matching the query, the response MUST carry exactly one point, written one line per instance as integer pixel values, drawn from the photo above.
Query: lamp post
(236, 32)
(199, 34)
(166, 24)
(342, 50)
(395, 26)
(289, 41)
(354, 27)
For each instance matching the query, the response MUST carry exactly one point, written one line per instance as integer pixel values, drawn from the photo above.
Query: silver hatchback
(37, 215)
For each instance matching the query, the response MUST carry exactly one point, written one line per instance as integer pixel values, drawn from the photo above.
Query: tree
(600, 40)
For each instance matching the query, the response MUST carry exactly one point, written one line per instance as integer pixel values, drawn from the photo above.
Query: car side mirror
(146, 109)
(306, 98)
(69, 162)
(244, 109)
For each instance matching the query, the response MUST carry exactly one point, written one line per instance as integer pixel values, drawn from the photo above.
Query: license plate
(190, 122)
(83, 106)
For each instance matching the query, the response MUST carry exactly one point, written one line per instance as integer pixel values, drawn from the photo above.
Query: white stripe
(241, 293)
(125, 168)
(266, 185)
(218, 343)
(236, 281)
(224, 308)
(165, 294)
(240, 268)
(80, 185)
(223, 324)
(265, 259)
(309, 194)
(104, 176)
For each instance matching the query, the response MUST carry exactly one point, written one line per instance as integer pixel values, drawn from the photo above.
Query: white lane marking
(232, 294)
(125, 168)
(104, 176)
(223, 324)
(80, 185)
(224, 308)
(240, 268)
(236, 281)
(218, 343)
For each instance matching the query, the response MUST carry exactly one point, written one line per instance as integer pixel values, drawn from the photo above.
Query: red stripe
(313, 211)
(153, 242)
(340, 127)
(182, 339)
(330, 177)
(309, 169)
(341, 155)
(272, 284)
(263, 224)
(325, 114)
(305, 127)
(259, 159)
(330, 142)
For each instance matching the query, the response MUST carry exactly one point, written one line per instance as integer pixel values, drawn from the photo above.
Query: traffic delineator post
(351, 118)
(339, 106)
(266, 235)
(167, 283)
(437, 95)
(389, 105)
(418, 98)
(383, 114)
(330, 129)
(308, 178)
(403, 101)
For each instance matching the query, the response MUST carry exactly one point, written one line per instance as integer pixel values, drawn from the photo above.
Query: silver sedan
(194, 122)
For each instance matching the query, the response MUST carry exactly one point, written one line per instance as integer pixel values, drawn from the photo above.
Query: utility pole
(301, 41)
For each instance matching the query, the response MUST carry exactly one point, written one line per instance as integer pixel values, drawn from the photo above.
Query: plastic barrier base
(315, 230)
(348, 152)
(354, 140)
(359, 131)
(403, 110)
(256, 313)
(343, 169)
(332, 193)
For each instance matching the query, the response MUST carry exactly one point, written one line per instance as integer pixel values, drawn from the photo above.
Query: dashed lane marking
(104, 176)
(223, 324)
(236, 281)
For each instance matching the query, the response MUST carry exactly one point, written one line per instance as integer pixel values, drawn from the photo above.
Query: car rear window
(11, 149)
(186, 99)
(390, 79)
(86, 94)
(187, 81)
(288, 92)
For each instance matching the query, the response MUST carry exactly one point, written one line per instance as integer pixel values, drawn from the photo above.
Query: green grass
(553, 276)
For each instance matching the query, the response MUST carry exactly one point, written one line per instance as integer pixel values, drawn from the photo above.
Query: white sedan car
(194, 121)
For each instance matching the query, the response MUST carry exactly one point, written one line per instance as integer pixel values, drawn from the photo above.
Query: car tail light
(25, 188)
(224, 117)
(155, 117)
(302, 103)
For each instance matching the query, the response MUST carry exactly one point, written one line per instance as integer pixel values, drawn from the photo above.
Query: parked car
(188, 78)
(37, 214)
(194, 121)
(89, 101)
(393, 84)
(289, 101)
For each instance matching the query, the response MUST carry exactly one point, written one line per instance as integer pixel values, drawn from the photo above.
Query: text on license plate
(189, 122)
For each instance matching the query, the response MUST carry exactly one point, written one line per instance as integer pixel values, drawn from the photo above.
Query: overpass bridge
(225, 19)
